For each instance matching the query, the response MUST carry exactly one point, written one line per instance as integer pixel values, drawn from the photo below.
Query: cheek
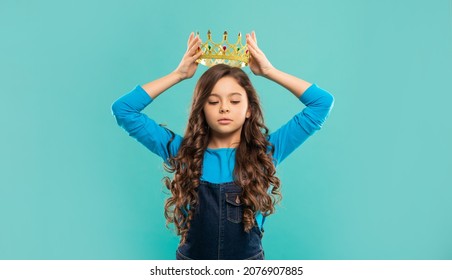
(244, 111)
(207, 114)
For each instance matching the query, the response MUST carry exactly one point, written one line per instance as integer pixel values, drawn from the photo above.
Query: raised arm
(185, 70)
(127, 109)
(261, 66)
(304, 124)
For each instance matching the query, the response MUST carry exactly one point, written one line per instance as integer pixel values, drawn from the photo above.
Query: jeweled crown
(236, 55)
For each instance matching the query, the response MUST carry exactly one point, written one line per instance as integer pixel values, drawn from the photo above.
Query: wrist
(269, 72)
(178, 75)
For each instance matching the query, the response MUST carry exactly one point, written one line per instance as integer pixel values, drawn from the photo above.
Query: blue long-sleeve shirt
(218, 164)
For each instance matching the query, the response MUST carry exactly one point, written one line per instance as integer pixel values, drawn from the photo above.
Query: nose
(224, 110)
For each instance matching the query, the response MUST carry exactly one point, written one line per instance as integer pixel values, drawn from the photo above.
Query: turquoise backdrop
(374, 183)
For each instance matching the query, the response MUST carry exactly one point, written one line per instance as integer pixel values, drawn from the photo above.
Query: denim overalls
(216, 231)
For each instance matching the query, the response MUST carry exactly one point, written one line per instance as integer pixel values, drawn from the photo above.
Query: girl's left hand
(258, 63)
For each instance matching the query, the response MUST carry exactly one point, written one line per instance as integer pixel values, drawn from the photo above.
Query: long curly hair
(254, 170)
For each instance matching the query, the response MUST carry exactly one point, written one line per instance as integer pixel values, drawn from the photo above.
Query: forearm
(155, 88)
(295, 85)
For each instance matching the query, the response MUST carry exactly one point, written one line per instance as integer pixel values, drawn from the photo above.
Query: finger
(194, 47)
(250, 42)
(250, 39)
(190, 38)
(198, 55)
(195, 41)
(255, 51)
(191, 42)
(252, 50)
(251, 61)
(254, 36)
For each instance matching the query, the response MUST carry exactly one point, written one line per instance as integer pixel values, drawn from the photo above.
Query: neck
(216, 142)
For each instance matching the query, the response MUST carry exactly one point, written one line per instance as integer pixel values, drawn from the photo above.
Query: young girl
(224, 183)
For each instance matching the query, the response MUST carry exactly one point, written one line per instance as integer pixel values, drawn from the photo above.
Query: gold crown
(236, 55)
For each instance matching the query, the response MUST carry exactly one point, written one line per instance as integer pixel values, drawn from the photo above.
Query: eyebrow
(233, 93)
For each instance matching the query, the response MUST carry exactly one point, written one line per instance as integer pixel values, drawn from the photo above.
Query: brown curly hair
(254, 170)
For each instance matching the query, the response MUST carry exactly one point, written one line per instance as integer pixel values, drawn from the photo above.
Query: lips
(224, 121)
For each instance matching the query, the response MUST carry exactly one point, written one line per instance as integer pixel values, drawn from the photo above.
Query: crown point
(236, 55)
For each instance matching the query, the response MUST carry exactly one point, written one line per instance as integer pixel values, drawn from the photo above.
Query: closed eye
(235, 102)
(213, 102)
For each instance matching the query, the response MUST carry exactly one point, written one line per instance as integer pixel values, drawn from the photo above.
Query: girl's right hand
(187, 67)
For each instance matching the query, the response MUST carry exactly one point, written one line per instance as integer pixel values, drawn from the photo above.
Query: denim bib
(216, 229)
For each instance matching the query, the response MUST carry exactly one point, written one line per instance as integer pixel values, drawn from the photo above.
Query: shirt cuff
(142, 95)
(309, 93)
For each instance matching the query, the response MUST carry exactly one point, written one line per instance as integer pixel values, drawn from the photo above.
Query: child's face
(227, 108)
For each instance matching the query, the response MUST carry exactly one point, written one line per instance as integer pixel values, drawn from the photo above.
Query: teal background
(374, 183)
